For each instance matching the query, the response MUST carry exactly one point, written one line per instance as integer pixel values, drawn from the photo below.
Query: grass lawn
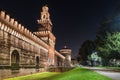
(75, 74)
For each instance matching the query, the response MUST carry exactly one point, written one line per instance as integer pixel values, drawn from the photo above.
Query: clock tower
(45, 33)
(45, 21)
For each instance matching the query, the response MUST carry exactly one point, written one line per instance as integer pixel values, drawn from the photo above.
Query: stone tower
(45, 33)
(67, 53)
(45, 21)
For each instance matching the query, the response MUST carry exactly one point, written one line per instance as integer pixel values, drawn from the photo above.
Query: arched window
(15, 58)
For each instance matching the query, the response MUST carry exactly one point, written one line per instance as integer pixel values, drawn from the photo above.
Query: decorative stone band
(13, 27)
(66, 51)
(45, 33)
(44, 21)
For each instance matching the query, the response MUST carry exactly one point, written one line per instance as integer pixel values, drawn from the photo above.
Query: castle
(22, 48)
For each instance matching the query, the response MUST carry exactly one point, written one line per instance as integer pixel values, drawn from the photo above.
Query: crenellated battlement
(12, 26)
(12, 22)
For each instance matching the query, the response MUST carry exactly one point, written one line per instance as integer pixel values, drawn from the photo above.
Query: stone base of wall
(8, 73)
(59, 69)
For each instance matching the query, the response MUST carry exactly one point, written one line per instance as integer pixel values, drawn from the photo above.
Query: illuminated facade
(20, 47)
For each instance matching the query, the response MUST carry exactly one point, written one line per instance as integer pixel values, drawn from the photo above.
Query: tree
(107, 40)
(94, 59)
(85, 50)
(109, 24)
(111, 46)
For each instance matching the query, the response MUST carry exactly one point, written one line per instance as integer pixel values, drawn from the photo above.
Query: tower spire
(45, 21)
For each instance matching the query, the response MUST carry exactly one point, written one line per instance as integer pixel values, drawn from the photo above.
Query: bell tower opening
(44, 21)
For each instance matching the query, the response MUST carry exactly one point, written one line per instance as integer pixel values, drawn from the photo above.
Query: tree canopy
(86, 49)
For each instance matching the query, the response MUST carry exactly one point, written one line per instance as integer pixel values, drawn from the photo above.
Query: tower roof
(65, 47)
(45, 8)
(65, 50)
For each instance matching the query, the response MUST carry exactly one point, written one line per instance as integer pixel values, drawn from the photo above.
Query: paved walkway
(112, 75)
(107, 72)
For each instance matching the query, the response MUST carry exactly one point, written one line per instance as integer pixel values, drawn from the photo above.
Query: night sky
(74, 21)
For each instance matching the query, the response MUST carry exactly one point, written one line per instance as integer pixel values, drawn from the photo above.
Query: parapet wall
(11, 26)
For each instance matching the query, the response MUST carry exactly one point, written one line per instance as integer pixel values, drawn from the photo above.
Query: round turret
(67, 53)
